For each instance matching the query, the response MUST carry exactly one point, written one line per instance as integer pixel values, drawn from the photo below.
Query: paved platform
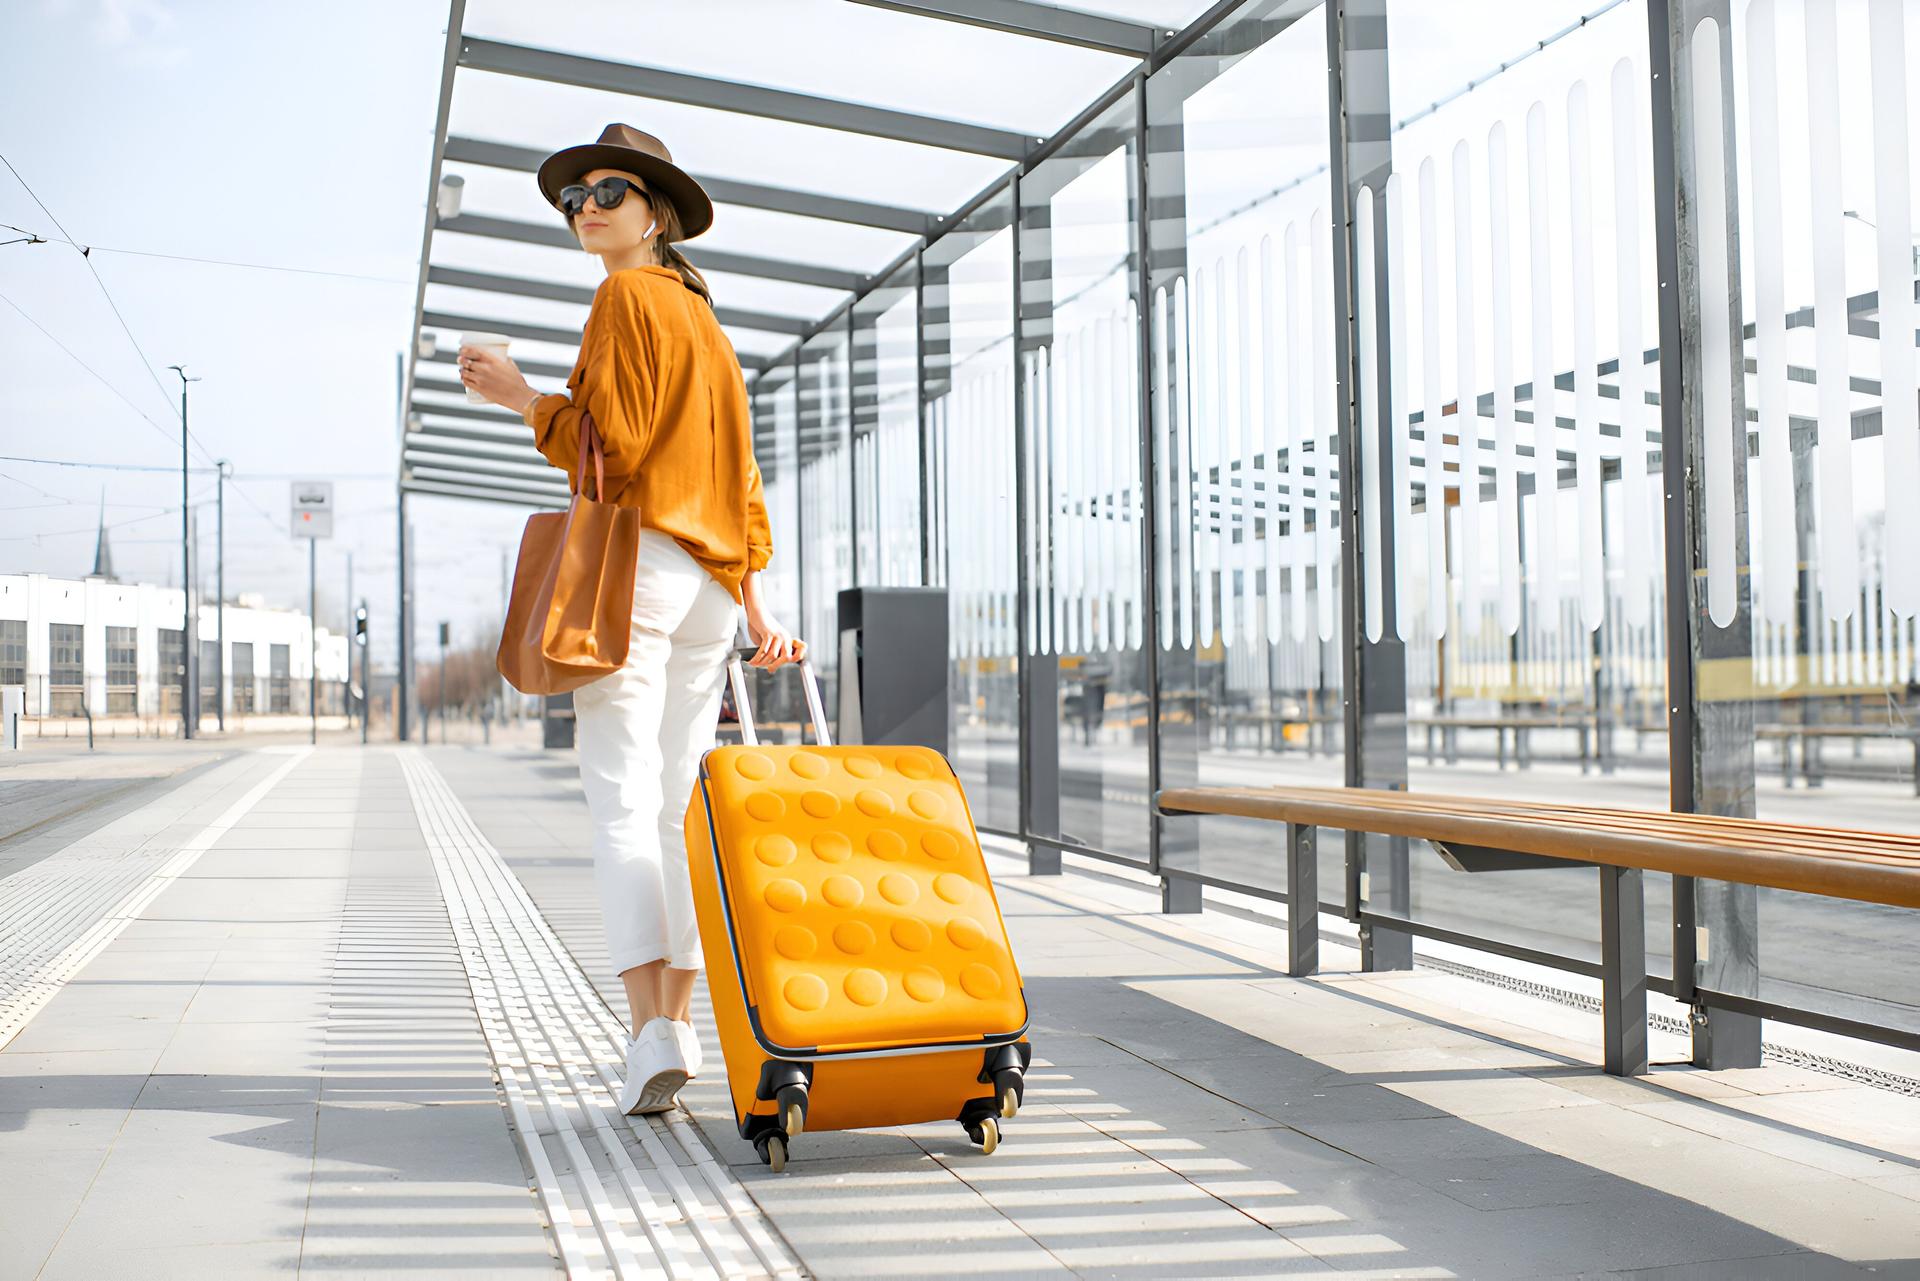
(348, 1011)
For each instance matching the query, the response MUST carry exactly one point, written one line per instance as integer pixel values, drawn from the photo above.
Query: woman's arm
(613, 380)
(778, 646)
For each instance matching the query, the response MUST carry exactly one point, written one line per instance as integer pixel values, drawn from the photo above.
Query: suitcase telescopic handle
(737, 677)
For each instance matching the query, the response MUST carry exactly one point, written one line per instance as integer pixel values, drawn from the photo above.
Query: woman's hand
(486, 371)
(778, 646)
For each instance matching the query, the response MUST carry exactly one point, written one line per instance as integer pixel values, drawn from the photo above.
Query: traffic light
(360, 625)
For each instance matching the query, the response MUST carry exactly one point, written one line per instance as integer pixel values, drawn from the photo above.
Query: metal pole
(220, 593)
(313, 643)
(400, 634)
(188, 634)
(346, 678)
(366, 675)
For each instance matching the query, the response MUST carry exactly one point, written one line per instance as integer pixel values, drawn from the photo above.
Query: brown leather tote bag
(571, 611)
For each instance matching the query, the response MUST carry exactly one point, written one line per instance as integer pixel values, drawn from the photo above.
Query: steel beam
(471, 413)
(479, 495)
(544, 368)
(430, 430)
(464, 468)
(409, 476)
(537, 233)
(713, 93)
(724, 191)
(1039, 21)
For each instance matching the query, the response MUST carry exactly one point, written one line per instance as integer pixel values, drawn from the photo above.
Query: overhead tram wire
(212, 262)
(86, 257)
(98, 376)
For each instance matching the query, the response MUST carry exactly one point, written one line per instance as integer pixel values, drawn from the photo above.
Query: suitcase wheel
(985, 1132)
(792, 1102)
(1007, 1091)
(772, 1147)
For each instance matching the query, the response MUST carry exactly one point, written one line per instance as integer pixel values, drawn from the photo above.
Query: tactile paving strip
(624, 1196)
(64, 910)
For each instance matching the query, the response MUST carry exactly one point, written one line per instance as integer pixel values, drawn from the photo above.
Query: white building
(115, 648)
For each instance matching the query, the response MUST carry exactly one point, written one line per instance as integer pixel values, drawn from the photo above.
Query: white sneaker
(689, 1047)
(656, 1069)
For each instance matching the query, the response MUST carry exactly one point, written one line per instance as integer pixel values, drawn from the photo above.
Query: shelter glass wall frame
(825, 507)
(887, 461)
(1359, 391)
(1079, 461)
(1245, 433)
(972, 518)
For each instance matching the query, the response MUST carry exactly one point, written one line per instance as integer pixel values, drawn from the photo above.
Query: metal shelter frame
(482, 454)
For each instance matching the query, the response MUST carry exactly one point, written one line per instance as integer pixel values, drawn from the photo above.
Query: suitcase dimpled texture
(859, 966)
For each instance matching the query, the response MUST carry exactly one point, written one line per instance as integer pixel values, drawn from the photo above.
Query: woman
(666, 394)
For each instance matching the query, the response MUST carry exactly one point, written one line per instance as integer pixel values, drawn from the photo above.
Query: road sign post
(313, 520)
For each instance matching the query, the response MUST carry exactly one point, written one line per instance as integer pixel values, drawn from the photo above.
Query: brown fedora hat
(628, 149)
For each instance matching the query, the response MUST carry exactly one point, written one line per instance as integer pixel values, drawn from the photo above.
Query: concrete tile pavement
(278, 1067)
(1192, 1107)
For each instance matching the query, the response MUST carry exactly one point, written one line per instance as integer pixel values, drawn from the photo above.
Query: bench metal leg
(1042, 860)
(1178, 894)
(1303, 900)
(1623, 970)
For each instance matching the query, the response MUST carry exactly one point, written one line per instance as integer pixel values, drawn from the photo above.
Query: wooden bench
(1475, 834)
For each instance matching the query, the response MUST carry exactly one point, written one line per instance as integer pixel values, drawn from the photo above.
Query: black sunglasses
(607, 193)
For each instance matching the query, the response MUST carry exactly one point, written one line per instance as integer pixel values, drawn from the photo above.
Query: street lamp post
(189, 631)
(225, 469)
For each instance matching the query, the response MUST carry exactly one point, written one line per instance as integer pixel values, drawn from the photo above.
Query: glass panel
(1080, 443)
(1523, 310)
(1245, 423)
(826, 47)
(826, 499)
(1169, 15)
(886, 432)
(1824, 121)
(710, 143)
(971, 526)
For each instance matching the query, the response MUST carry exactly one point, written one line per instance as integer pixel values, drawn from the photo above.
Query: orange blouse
(665, 390)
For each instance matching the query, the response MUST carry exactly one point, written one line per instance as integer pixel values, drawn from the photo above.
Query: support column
(1374, 671)
(1159, 218)
(1704, 434)
(403, 632)
(1037, 677)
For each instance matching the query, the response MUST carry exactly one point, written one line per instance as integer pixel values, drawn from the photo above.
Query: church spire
(102, 554)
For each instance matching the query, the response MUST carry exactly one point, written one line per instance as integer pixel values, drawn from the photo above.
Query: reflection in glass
(1080, 454)
(1244, 425)
(825, 472)
(971, 527)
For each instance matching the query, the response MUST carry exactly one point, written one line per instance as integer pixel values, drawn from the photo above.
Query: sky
(248, 133)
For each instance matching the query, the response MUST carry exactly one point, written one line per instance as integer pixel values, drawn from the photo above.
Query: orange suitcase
(858, 963)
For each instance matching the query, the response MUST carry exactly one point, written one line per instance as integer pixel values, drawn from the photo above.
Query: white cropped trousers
(640, 733)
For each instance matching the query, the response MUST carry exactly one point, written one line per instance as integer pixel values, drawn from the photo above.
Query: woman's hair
(669, 248)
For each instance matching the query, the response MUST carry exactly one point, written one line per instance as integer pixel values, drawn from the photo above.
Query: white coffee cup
(494, 342)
